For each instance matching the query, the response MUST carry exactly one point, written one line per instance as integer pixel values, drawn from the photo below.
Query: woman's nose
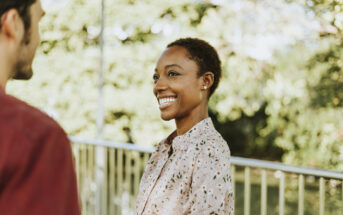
(160, 85)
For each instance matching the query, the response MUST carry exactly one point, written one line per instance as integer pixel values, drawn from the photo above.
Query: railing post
(77, 164)
(233, 171)
(301, 195)
(136, 173)
(100, 180)
(111, 182)
(321, 195)
(83, 177)
(282, 194)
(264, 193)
(100, 152)
(247, 191)
(120, 179)
(127, 170)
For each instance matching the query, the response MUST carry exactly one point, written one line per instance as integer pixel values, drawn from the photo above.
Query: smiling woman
(190, 169)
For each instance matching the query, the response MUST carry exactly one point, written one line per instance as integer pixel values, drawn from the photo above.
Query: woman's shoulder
(213, 143)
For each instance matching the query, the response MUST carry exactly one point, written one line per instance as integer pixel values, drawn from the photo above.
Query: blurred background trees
(280, 98)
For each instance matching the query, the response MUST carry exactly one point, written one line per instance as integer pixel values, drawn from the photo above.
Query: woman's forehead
(175, 55)
(175, 51)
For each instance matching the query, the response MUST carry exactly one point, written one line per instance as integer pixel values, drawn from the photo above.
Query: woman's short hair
(204, 55)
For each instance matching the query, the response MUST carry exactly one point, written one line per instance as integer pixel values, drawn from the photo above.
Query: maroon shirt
(37, 174)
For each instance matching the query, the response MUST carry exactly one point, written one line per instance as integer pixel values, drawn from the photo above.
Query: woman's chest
(174, 180)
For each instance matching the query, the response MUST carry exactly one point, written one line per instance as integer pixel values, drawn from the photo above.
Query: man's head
(19, 35)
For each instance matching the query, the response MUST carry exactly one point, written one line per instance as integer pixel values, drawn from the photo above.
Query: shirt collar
(182, 141)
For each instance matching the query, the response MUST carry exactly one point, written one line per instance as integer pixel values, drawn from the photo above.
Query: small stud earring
(205, 87)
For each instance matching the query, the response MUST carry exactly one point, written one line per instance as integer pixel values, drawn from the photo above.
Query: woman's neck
(187, 122)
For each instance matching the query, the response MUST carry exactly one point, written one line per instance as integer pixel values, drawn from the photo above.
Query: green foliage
(281, 88)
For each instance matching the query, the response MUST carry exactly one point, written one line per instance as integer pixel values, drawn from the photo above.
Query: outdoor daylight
(253, 87)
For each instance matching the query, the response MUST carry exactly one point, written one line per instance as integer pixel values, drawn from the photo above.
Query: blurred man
(36, 169)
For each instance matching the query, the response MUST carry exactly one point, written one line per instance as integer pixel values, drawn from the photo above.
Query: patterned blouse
(188, 174)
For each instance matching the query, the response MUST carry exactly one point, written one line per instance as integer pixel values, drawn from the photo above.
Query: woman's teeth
(166, 101)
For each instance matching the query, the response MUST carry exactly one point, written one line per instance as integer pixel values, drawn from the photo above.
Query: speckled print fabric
(195, 179)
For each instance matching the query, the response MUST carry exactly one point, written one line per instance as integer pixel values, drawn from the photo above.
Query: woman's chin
(167, 117)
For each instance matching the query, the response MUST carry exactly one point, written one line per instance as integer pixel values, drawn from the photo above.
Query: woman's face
(177, 87)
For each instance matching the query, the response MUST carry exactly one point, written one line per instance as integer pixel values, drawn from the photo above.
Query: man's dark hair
(22, 6)
(204, 55)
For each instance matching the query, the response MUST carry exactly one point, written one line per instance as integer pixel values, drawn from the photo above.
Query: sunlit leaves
(274, 81)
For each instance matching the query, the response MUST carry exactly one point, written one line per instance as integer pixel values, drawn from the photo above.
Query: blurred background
(280, 98)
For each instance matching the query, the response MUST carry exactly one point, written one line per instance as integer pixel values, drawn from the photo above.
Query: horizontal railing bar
(269, 165)
(286, 168)
(126, 146)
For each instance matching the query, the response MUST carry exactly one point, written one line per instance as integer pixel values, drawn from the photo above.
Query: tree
(272, 88)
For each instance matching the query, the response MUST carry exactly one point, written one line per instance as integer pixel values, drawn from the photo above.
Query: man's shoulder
(22, 117)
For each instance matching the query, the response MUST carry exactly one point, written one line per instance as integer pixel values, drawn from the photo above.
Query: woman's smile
(166, 101)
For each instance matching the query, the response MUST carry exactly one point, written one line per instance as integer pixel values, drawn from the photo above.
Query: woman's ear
(207, 79)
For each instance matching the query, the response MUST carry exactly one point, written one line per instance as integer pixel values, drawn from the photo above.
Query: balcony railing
(109, 175)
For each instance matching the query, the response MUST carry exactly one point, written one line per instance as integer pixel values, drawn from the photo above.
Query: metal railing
(261, 187)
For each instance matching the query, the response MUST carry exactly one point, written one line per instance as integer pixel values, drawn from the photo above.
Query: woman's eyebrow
(172, 65)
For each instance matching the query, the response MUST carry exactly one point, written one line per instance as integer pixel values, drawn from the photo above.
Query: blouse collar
(182, 141)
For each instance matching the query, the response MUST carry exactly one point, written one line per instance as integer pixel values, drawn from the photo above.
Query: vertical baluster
(264, 192)
(282, 193)
(91, 161)
(87, 163)
(116, 187)
(321, 195)
(247, 191)
(84, 195)
(111, 180)
(105, 182)
(120, 180)
(100, 178)
(301, 195)
(91, 171)
(82, 163)
(136, 173)
(342, 197)
(127, 178)
(77, 163)
(233, 171)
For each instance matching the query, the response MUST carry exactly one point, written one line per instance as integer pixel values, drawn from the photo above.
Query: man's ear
(12, 26)
(208, 79)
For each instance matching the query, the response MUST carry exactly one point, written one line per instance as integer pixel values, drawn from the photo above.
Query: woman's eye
(155, 77)
(172, 73)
